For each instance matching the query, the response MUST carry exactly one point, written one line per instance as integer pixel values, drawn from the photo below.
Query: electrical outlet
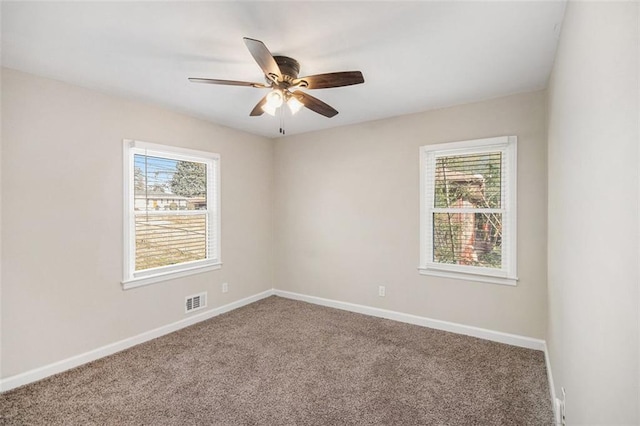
(225, 287)
(381, 291)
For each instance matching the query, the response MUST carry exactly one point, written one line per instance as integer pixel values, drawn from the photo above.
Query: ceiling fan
(281, 73)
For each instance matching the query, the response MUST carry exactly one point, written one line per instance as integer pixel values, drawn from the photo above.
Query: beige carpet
(284, 362)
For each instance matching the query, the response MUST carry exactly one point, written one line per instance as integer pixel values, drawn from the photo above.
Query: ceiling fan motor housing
(289, 68)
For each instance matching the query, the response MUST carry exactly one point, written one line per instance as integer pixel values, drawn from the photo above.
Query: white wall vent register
(195, 302)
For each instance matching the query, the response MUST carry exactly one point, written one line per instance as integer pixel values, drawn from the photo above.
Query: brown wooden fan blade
(227, 82)
(315, 104)
(257, 110)
(332, 79)
(264, 58)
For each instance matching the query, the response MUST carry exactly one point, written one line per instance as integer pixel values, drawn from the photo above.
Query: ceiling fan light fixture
(274, 99)
(294, 104)
(269, 109)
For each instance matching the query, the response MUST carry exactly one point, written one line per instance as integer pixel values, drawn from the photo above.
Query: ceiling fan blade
(264, 58)
(315, 104)
(257, 110)
(227, 82)
(332, 79)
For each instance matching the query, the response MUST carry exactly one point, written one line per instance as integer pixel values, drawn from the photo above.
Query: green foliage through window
(189, 179)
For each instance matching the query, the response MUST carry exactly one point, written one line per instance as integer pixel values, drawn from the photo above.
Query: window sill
(165, 276)
(513, 281)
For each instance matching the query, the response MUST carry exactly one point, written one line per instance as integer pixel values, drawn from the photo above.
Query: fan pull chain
(282, 121)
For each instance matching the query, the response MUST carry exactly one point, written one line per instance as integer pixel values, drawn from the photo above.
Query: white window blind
(468, 209)
(171, 213)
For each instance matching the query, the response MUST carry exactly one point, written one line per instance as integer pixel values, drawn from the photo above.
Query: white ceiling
(414, 56)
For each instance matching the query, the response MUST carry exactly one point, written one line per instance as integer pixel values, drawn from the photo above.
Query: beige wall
(62, 219)
(347, 215)
(593, 213)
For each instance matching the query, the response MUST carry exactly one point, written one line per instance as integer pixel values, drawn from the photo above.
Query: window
(171, 212)
(468, 210)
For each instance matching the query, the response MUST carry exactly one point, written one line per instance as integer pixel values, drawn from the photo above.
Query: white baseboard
(552, 389)
(75, 361)
(482, 333)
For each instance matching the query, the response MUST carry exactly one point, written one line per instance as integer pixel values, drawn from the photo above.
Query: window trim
(133, 279)
(428, 153)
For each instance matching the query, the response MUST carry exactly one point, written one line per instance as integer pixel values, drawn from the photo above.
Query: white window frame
(507, 275)
(131, 278)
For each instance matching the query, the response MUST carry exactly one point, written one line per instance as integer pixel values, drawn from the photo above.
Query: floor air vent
(195, 302)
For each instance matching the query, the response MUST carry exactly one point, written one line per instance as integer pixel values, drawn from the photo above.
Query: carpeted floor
(284, 362)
